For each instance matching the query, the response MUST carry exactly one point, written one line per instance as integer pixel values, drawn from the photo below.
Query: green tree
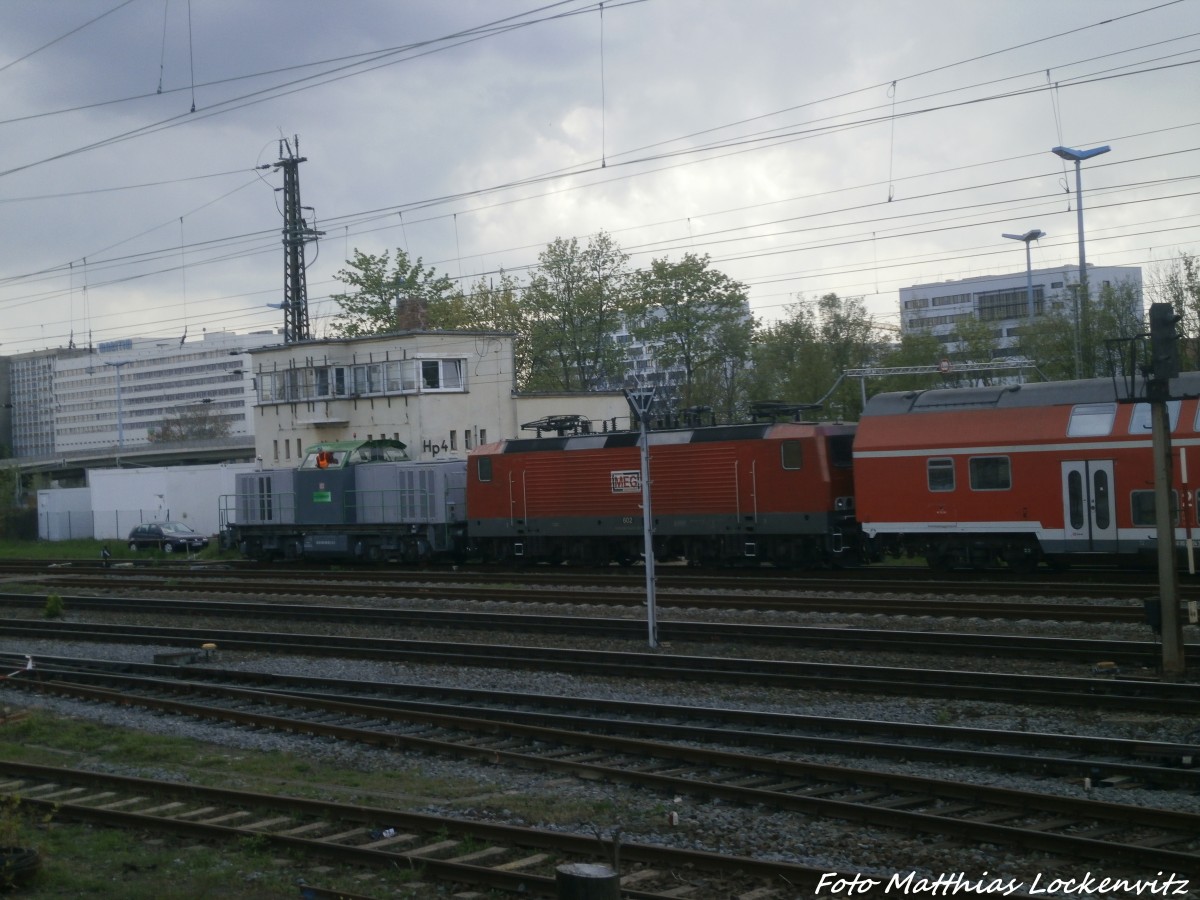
(978, 342)
(789, 363)
(1178, 283)
(1061, 349)
(387, 296)
(916, 348)
(1049, 343)
(575, 302)
(695, 319)
(490, 305)
(801, 358)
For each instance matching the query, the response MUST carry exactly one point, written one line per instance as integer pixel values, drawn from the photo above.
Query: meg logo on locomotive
(626, 481)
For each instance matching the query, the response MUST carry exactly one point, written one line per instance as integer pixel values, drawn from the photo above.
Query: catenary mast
(296, 233)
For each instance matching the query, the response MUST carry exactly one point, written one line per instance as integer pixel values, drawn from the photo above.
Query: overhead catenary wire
(347, 226)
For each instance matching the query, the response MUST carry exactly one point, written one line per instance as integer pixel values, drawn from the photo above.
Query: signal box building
(440, 393)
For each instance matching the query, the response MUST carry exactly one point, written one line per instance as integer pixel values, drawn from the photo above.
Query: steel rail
(1095, 692)
(1169, 764)
(745, 599)
(149, 793)
(938, 817)
(1143, 653)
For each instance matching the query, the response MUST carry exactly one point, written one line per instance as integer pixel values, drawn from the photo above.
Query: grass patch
(77, 742)
(88, 550)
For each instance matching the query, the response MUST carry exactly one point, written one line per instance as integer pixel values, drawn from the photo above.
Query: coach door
(1089, 519)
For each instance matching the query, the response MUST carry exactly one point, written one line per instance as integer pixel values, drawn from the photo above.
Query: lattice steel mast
(296, 233)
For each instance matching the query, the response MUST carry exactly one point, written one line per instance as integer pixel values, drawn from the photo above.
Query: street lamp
(1029, 236)
(120, 417)
(1078, 156)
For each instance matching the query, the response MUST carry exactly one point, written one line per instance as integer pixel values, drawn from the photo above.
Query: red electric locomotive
(781, 493)
(1019, 473)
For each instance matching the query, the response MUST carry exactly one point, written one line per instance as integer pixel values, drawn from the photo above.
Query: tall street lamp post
(1082, 317)
(1028, 237)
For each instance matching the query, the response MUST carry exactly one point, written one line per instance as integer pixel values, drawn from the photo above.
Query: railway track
(445, 850)
(1097, 693)
(1057, 828)
(1104, 761)
(163, 583)
(1082, 584)
(1131, 654)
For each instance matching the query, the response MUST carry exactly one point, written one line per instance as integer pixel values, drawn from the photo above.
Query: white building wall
(123, 498)
(157, 380)
(65, 514)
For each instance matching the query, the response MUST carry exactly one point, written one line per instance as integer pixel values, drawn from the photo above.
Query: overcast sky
(855, 146)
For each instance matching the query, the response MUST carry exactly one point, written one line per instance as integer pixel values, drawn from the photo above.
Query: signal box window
(791, 454)
(990, 473)
(1092, 420)
(484, 468)
(940, 473)
(1144, 508)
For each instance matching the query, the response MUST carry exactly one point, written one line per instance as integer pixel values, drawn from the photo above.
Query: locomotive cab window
(1144, 508)
(791, 454)
(940, 473)
(1091, 420)
(483, 468)
(990, 473)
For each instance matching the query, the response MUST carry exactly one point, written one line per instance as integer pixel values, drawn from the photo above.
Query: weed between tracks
(83, 861)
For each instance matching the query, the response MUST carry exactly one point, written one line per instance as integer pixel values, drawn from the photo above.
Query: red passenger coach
(1022, 473)
(781, 493)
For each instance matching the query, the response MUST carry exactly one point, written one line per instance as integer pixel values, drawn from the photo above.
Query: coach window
(990, 473)
(792, 454)
(1091, 420)
(1144, 507)
(1140, 422)
(484, 468)
(940, 473)
(1101, 499)
(1075, 498)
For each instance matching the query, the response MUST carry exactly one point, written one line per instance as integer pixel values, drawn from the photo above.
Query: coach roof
(1016, 396)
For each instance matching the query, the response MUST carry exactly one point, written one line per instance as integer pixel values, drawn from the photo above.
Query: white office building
(940, 307)
(118, 396)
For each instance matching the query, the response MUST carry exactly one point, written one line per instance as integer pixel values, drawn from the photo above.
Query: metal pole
(1084, 317)
(1168, 578)
(1029, 280)
(640, 403)
(648, 540)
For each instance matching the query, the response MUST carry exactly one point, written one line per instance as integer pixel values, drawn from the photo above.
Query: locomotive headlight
(843, 503)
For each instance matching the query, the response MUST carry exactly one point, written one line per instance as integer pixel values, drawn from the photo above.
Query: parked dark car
(168, 537)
